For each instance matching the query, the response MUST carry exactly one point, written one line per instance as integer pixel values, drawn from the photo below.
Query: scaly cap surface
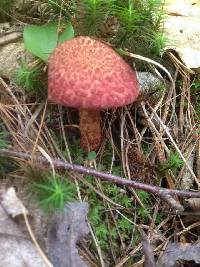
(85, 73)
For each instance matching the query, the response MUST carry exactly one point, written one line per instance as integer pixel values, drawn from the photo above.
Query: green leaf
(92, 155)
(42, 40)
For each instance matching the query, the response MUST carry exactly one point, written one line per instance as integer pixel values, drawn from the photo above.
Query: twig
(61, 164)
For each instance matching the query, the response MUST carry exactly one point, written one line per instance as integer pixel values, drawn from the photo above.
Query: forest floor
(154, 141)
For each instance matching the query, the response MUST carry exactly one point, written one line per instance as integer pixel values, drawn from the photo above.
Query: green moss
(51, 192)
(126, 24)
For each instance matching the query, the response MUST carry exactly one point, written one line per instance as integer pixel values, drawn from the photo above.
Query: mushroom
(89, 75)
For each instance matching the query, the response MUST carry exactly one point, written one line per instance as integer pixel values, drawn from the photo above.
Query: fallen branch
(61, 164)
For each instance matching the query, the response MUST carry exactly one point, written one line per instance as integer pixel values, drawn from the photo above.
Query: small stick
(61, 164)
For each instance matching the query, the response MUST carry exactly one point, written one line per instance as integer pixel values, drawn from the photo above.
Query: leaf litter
(64, 231)
(17, 250)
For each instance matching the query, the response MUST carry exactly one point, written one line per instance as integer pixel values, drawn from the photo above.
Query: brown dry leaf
(182, 28)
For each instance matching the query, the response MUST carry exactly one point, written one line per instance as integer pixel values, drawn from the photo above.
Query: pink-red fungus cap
(85, 73)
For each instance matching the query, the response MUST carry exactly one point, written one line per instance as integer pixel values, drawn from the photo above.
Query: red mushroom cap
(85, 73)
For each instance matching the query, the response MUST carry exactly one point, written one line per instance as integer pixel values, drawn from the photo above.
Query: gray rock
(149, 83)
(10, 57)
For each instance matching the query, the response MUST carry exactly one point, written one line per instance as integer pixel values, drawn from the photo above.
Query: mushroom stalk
(90, 129)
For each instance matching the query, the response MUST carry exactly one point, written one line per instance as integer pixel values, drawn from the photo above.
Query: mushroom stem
(90, 129)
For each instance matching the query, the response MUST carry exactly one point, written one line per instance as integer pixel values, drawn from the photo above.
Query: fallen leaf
(11, 203)
(65, 230)
(183, 7)
(179, 252)
(182, 29)
(16, 248)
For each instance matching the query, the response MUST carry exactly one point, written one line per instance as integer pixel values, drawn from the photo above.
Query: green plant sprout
(52, 192)
(140, 27)
(91, 15)
(174, 163)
